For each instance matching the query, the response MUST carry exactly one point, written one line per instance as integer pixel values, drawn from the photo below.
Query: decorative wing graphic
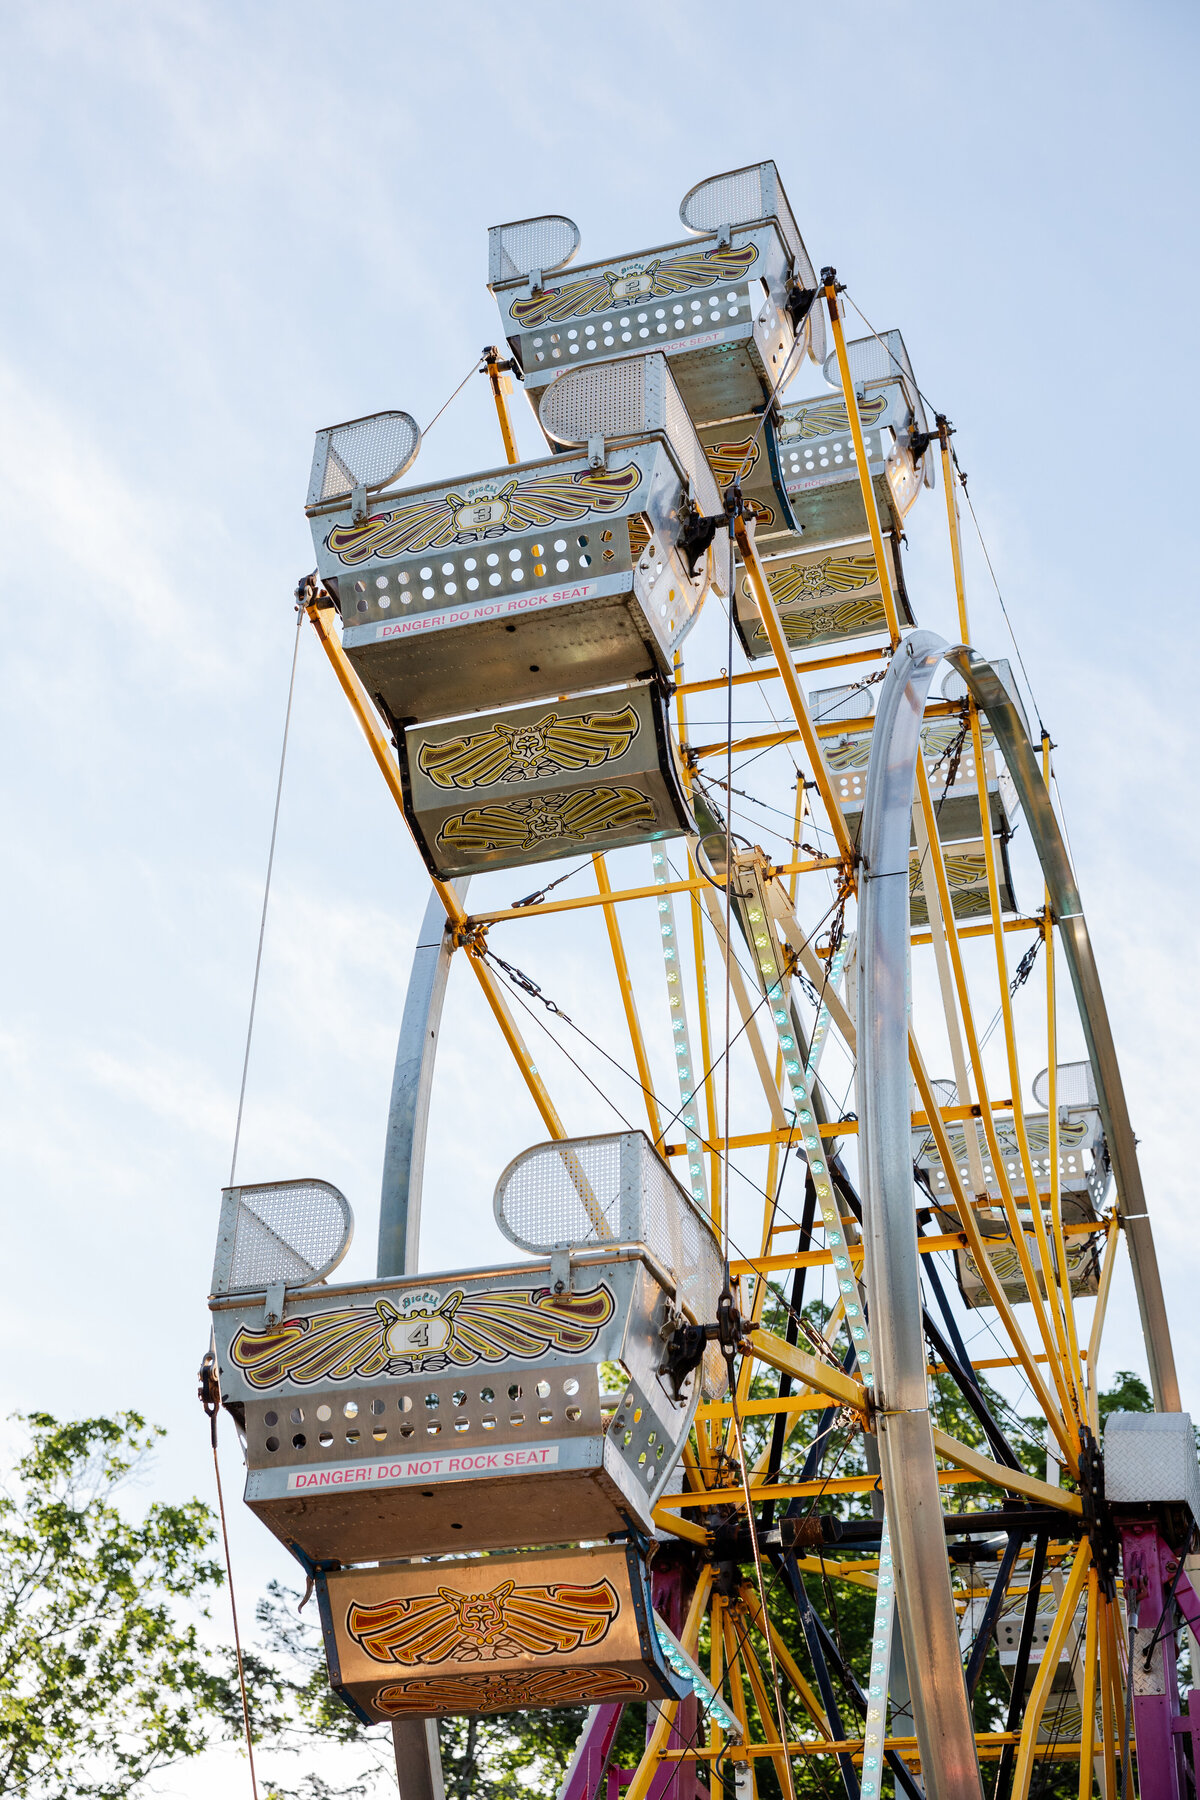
(816, 581)
(367, 1340)
(506, 1692)
(667, 275)
(824, 624)
(551, 497)
(454, 519)
(506, 1621)
(823, 417)
(429, 525)
(544, 819)
(726, 459)
(521, 752)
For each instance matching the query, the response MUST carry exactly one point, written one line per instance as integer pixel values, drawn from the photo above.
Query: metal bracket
(358, 504)
(724, 236)
(595, 453)
(273, 1311)
(560, 1271)
(534, 278)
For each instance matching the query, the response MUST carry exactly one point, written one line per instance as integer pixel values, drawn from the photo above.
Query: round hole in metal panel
(515, 1419)
(378, 1407)
(514, 1392)
(432, 1401)
(542, 1390)
(299, 1441)
(272, 1443)
(434, 1429)
(296, 1415)
(406, 1431)
(487, 1395)
(462, 1424)
(574, 1413)
(570, 1385)
(489, 1424)
(324, 1412)
(352, 1437)
(325, 1438)
(271, 1418)
(545, 1418)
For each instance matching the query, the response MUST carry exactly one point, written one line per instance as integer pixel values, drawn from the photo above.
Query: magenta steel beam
(1151, 1569)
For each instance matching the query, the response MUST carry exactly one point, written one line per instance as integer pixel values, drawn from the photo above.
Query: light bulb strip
(709, 1699)
(875, 1726)
(681, 1037)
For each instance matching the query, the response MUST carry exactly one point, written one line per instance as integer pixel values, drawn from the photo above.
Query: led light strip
(821, 1028)
(681, 1036)
(703, 1689)
(875, 1729)
(768, 963)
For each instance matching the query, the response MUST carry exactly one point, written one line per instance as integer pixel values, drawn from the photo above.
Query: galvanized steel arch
(908, 1463)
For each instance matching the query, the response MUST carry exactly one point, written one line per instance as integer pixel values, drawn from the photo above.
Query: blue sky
(228, 225)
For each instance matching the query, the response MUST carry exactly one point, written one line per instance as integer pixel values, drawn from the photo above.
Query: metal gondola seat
(471, 1410)
(725, 309)
(1083, 1180)
(824, 580)
(537, 579)
(562, 778)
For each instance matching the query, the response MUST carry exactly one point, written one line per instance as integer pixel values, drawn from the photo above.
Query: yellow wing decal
(427, 526)
(824, 417)
(503, 1622)
(523, 752)
(543, 820)
(369, 1340)
(667, 275)
(456, 519)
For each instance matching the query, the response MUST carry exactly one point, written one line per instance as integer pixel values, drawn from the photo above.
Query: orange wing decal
(504, 1622)
(500, 1692)
(462, 1329)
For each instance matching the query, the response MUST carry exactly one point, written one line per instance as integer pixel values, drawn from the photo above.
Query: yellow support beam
(773, 626)
(321, 618)
(860, 453)
(501, 387)
(628, 999)
(998, 1475)
(822, 1376)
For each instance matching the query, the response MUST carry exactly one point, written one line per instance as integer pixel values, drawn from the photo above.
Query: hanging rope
(210, 1399)
(262, 923)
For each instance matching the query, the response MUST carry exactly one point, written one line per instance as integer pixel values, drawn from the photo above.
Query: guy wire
(262, 923)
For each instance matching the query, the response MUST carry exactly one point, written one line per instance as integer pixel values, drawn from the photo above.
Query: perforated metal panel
(1076, 1085)
(586, 1191)
(881, 357)
(562, 1195)
(828, 705)
(294, 1232)
(608, 400)
(367, 453)
(624, 399)
(740, 197)
(526, 245)
(730, 199)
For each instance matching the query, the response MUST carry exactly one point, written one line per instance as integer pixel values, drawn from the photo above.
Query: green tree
(102, 1679)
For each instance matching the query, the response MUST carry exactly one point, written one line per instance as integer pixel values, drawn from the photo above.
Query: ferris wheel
(765, 1344)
